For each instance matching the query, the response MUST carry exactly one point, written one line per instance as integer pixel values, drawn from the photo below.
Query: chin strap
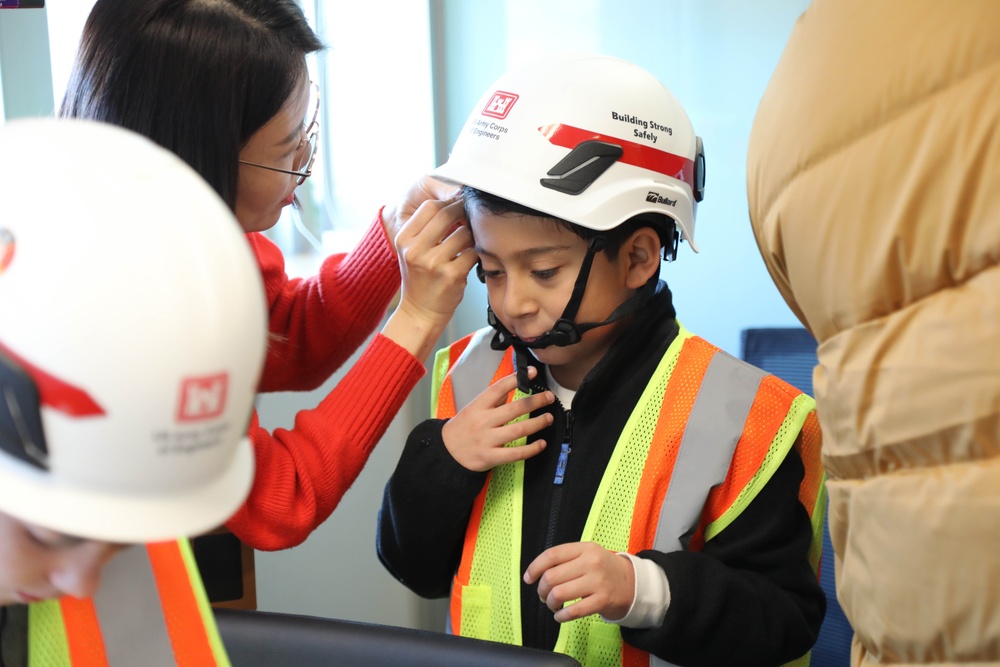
(565, 331)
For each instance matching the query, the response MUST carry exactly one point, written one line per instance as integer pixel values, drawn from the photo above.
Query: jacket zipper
(557, 491)
(557, 481)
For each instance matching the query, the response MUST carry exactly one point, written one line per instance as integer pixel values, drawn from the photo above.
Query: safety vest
(150, 609)
(708, 432)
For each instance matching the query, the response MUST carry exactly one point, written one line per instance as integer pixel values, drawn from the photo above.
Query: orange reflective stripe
(468, 551)
(83, 632)
(446, 400)
(446, 395)
(678, 400)
(456, 349)
(505, 368)
(188, 635)
(633, 657)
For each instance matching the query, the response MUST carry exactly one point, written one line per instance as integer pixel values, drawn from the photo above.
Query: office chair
(790, 354)
(266, 639)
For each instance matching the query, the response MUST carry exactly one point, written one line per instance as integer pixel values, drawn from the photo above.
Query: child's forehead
(521, 234)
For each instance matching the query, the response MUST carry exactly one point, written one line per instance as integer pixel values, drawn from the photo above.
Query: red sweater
(316, 324)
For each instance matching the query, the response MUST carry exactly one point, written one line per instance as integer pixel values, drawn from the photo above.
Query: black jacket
(748, 598)
(14, 636)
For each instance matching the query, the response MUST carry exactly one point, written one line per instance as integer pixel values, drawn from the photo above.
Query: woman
(224, 84)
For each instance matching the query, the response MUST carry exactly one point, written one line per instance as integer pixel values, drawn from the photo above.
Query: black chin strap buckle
(564, 332)
(521, 357)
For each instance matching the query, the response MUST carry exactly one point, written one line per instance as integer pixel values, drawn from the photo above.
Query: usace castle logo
(500, 104)
(202, 397)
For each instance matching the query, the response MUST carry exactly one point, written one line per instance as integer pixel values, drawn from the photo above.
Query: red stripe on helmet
(637, 155)
(55, 393)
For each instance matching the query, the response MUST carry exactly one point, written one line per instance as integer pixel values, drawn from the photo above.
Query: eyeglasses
(305, 152)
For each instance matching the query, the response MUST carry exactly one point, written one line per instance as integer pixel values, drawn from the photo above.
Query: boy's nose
(517, 300)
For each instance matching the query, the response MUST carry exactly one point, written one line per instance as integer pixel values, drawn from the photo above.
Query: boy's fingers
(512, 454)
(527, 405)
(522, 429)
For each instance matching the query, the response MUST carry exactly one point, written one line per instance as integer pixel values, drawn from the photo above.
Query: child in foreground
(597, 480)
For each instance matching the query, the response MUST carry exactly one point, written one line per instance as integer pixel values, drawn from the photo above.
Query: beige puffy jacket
(874, 188)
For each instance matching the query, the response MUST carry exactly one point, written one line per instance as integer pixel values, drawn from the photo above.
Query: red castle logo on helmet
(202, 397)
(500, 105)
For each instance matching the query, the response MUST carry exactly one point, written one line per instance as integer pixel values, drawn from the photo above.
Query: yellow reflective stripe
(783, 441)
(630, 445)
(477, 611)
(591, 640)
(47, 642)
(440, 368)
(818, 515)
(204, 606)
(496, 561)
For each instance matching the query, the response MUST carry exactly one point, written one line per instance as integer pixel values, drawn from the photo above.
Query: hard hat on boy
(613, 144)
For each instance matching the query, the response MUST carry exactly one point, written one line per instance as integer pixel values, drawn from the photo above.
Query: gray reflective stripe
(706, 450)
(478, 360)
(720, 410)
(129, 611)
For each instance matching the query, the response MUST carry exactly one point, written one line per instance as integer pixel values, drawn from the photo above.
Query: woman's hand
(435, 256)
(476, 436)
(425, 188)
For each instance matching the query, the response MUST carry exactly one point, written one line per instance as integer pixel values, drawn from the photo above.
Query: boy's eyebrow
(527, 253)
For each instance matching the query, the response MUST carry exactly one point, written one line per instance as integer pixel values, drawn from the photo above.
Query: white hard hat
(132, 337)
(587, 138)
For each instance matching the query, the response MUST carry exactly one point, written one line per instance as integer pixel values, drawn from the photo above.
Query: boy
(662, 512)
(131, 343)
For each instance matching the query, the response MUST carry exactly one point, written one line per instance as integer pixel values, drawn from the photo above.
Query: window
(66, 19)
(377, 132)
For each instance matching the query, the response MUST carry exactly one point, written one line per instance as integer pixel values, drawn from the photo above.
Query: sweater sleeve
(317, 323)
(303, 473)
(750, 597)
(425, 511)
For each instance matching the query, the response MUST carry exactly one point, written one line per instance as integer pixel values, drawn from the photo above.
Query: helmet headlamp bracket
(583, 165)
(21, 432)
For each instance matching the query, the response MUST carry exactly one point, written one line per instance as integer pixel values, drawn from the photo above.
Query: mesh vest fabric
(162, 619)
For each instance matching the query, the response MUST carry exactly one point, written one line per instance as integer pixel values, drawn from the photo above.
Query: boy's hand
(602, 581)
(475, 437)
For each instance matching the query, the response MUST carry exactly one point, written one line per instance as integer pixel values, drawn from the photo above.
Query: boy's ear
(642, 254)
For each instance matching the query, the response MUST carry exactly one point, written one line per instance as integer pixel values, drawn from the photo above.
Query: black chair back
(266, 639)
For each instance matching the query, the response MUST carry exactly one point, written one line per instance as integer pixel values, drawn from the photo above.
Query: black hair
(198, 77)
(615, 237)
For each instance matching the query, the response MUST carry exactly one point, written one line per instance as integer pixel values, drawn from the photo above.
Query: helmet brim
(33, 496)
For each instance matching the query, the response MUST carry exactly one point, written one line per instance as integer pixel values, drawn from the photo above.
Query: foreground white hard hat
(132, 337)
(587, 138)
